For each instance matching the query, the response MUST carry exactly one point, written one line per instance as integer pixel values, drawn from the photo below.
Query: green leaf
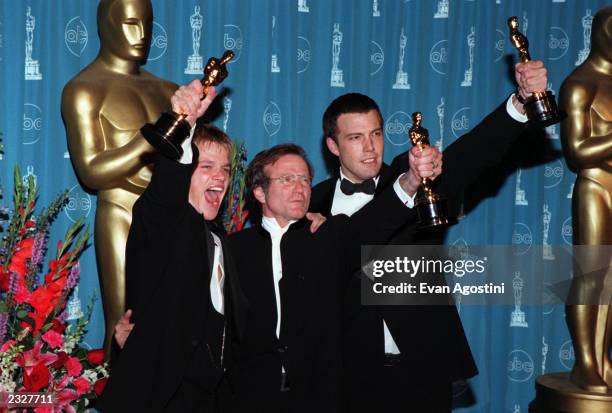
(47, 327)
(21, 314)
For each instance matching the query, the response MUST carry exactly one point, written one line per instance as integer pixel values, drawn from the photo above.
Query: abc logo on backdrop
(397, 127)
(519, 366)
(79, 204)
(272, 119)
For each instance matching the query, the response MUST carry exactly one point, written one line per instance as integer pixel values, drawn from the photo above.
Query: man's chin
(297, 215)
(370, 171)
(210, 213)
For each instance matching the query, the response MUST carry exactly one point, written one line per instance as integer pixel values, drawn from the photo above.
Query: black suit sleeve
(153, 218)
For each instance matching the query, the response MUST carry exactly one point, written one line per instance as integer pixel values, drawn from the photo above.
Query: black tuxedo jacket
(430, 338)
(169, 256)
(315, 270)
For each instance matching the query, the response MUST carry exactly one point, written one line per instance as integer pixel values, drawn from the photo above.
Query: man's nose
(368, 144)
(299, 186)
(219, 175)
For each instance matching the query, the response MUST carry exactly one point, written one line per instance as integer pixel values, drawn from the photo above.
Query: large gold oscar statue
(104, 106)
(586, 95)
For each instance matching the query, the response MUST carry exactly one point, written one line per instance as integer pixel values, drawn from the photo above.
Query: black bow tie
(367, 187)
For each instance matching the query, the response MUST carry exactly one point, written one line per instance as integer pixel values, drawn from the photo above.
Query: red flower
(61, 359)
(95, 357)
(23, 253)
(82, 385)
(46, 297)
(99, 386)
(58, 326)
(38, 378)
(53, 339)
(73, 366)
(6, 345)
(22, 295)
(5, 277)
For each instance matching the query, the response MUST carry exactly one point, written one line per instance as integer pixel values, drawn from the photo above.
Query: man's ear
(332, 146)
(260, 195)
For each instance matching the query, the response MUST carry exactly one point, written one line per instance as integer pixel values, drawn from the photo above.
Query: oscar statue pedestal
(555, 393)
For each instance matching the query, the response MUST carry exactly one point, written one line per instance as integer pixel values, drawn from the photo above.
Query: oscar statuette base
(555, 393)
(433, 213)
(167, 135)
(542, 110)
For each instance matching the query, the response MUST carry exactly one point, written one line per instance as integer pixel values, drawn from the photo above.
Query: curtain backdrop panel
(450, 60)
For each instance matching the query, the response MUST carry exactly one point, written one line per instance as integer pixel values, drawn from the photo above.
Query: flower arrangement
(235, 215)
(40, 351)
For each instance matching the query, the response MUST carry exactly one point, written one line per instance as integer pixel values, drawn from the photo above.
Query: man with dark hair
(290, 358)
(415, 352)
(181, 286)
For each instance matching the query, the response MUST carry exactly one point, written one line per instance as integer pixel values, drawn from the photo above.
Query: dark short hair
(348, 103)
(205, 133)
(255, 175)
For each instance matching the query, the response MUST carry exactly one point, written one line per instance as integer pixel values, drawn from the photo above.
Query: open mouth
(214, 195)
(369, 161)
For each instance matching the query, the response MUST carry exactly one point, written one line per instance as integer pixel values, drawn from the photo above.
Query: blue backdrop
(449, 60)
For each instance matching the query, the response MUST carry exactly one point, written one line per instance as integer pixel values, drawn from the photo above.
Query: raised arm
(488, 142)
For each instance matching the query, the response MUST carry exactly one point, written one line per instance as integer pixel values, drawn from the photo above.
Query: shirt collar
(271, 225)
(342, 176)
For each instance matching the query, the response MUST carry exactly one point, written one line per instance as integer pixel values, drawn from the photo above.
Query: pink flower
(43, 409)
(82, 385)
(63, 396)
(63, 400)
(53, 339)
(73, 366)
(28, 359)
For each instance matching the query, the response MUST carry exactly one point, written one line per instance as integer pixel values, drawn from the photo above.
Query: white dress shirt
(217, 278)
(276, 234)
(348, 205)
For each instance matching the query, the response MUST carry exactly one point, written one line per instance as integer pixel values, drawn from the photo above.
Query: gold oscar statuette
(431, 208)
(103, 107)
(541, 107)
(171, 129)
(586, 137)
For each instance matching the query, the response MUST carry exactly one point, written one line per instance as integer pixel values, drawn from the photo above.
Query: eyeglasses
(287, 180)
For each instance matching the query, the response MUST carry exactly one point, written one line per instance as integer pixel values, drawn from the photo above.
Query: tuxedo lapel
(210, 248)
(323, 197)
(293, 286)
(237, 310)
(386, 177)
